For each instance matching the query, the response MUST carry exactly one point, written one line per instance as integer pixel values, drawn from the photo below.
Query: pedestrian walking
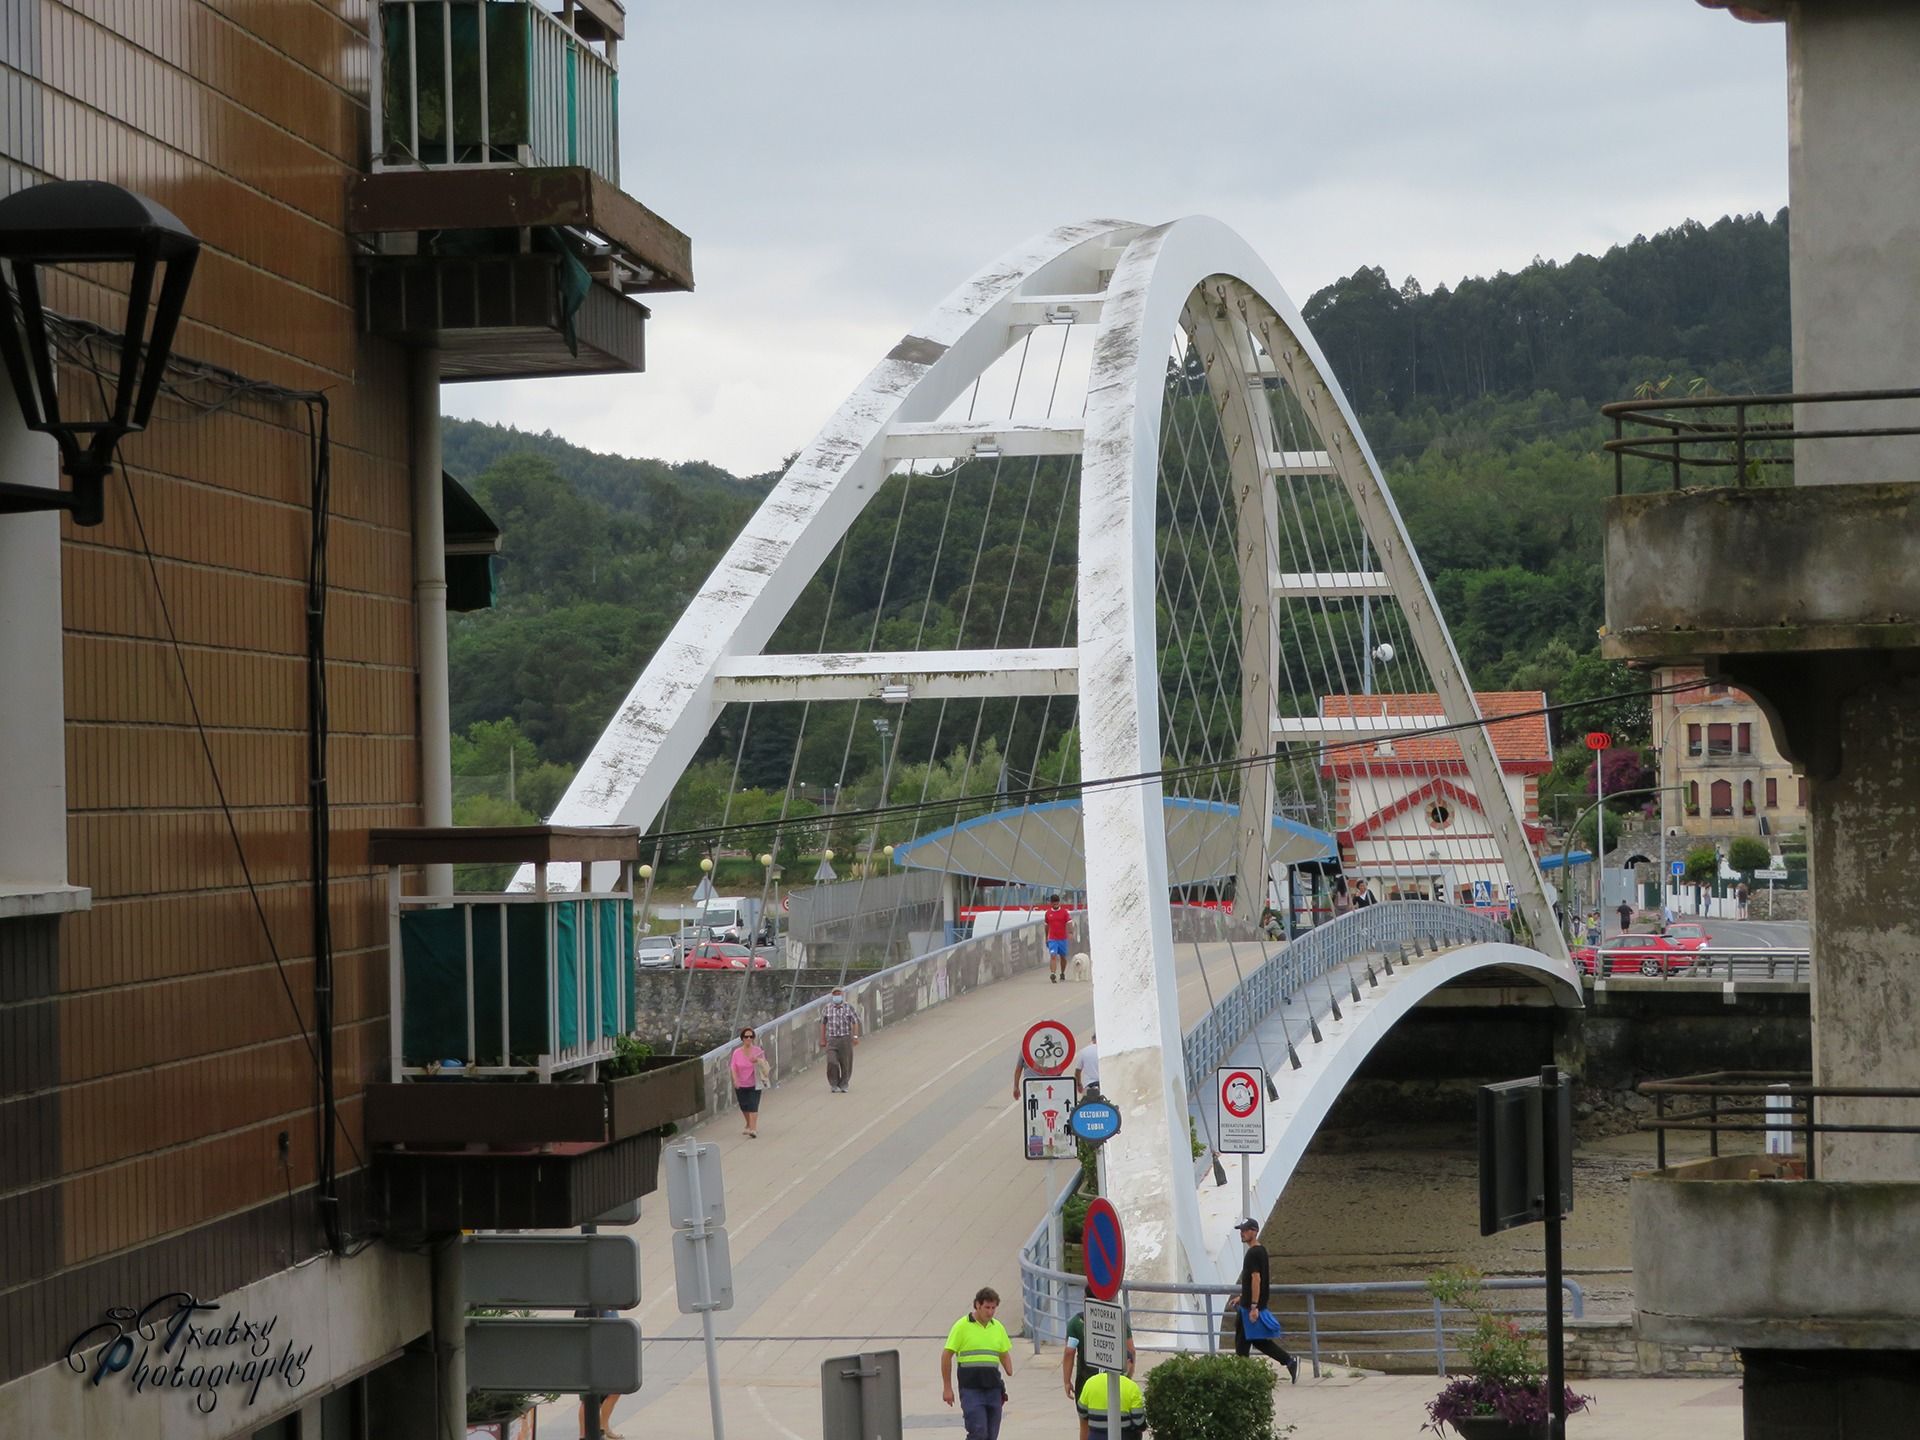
(604, 1403)
(1342, 901)
(1742, 894)
(1059, 919)
(750, 1071)
(1086, 1067)
(1075, 1372)
(1626, 917)
(839, 1033)
(1362, 896)
(1250, 1305)
(1093, 1407)
(978, 1346)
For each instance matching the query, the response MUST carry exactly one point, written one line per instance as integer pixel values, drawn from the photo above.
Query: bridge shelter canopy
(1044, 845)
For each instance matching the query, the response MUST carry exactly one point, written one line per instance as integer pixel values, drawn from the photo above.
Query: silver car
(656, 952)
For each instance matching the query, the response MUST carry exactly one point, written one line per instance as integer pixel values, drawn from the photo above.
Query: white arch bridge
(1100, 545)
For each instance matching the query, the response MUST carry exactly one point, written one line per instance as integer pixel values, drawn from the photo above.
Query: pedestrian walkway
(868, 1220)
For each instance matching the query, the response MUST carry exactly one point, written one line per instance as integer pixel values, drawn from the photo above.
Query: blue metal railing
(1390, 924)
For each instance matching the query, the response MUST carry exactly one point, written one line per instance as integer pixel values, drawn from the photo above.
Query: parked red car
(1687, 935)
(1636, 955)
(718, 955)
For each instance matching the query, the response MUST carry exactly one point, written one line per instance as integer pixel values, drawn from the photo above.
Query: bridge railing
(1385, 926)
(1357, 1320)
(1714, 963)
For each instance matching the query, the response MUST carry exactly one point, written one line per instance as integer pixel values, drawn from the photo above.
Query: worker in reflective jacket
(1093, 1407)
(978, 1345)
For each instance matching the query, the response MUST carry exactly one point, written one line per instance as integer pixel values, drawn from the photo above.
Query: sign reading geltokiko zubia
(164, 1346)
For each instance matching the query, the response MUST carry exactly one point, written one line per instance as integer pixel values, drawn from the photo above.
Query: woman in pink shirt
(750, 1072)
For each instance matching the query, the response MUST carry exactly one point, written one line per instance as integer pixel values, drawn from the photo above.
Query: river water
(1397, 1202)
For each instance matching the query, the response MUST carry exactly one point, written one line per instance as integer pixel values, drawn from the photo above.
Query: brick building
(169, 1119)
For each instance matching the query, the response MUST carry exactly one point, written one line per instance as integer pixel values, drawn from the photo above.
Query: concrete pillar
(1853, 70)
(430, 607)
(450, 1338)
(1864, 842)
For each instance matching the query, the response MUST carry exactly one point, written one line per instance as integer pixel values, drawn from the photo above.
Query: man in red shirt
(1058, 917)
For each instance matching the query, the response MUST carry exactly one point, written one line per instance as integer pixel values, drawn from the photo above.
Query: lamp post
(883, 727)
(1566, 850)
(90, 223)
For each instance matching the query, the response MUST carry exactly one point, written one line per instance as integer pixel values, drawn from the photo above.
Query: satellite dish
(1383, 652)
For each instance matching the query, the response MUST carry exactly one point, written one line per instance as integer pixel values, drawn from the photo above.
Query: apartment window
(1802, 782)
(1693, 739)
(1746, 797)
(1716, 689)
(1723, 797)
(1719, 739)
(1773, 793)
(1693, 797)
(1746, 738)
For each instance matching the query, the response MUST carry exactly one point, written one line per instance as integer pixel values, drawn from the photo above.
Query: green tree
(1748, 854)
(1703, 865)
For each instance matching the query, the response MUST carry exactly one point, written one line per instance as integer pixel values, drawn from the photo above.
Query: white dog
(1080, 963)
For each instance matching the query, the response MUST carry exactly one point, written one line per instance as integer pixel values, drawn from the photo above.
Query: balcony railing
(518, 983)
(1745, 434)
(490, 83)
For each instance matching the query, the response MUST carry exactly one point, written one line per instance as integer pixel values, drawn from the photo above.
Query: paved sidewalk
(867, 1220)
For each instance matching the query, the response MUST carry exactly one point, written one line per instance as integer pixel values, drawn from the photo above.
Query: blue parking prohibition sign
(1105, 1248)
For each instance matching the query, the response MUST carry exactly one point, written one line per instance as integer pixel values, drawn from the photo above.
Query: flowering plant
(1503, 1379)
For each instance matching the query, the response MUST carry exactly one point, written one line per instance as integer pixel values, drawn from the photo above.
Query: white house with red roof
(1406, 815)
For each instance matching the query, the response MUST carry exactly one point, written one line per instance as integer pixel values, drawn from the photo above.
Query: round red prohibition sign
(1599, 740)
(1239, 1094)
(1048, 1047)
(1104, 1249)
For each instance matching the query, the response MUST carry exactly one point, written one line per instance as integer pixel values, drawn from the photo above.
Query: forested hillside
(1481, 401)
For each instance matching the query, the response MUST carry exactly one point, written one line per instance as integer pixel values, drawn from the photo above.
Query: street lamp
(1566, 850)
(87, 222)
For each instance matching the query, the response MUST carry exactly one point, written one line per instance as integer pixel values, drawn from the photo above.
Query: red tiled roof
(1520, 743)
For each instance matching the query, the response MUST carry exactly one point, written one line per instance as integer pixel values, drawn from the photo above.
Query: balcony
(509, 1104)
(496, 232)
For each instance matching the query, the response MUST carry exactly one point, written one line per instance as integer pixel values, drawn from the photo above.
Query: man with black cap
(1255, 1281)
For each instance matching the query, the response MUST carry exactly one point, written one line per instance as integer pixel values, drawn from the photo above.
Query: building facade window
(1720, 739)
(1693, 739)
(1722, 797)
(1773, 793)
(1746, 738)
(1693, 797)
(1802, 782)
(1746, 797)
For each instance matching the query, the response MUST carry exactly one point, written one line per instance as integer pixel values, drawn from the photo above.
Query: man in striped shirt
(839, 1033)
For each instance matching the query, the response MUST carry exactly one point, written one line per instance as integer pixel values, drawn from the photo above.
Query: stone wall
(705, 1008)
(1606, 1348)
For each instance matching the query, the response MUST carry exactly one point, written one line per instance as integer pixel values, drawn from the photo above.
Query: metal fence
(869, 920)
(1715, 963)
(1386, 927)
(1355, 1321)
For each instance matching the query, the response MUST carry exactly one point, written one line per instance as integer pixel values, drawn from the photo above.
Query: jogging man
(1059, 918)
(978, 1344)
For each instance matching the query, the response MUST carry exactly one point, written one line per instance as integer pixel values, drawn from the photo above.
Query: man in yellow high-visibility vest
(1093, 1407)
(979, 1346)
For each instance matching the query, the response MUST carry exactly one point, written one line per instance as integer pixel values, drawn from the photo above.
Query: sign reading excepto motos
(1102, 1336)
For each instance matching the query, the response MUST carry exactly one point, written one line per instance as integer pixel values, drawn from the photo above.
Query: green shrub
(628, 1055)
(1073, 1216)
(1211, 1397)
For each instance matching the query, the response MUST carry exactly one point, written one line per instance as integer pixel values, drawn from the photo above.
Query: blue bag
(1267, 1327)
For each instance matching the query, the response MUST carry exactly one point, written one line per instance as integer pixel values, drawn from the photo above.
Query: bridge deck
(873, 1215)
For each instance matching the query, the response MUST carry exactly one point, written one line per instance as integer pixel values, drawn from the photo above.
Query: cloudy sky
(842, 165)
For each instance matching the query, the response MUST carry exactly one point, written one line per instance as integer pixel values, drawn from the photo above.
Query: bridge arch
(1187, 321)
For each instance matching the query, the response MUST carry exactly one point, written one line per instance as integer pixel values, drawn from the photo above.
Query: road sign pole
(700, 1232)
(1551, 1141)
(1113, 1397)
(1246, 1188)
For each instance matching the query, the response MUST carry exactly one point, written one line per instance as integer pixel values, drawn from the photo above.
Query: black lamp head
(90, 222)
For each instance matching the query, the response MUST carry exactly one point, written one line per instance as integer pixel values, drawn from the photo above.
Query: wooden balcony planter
(467, 1114)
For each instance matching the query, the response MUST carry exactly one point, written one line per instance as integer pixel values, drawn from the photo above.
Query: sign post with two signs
(1047, 1096)
(1103, 1327)
(1240, 1122)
